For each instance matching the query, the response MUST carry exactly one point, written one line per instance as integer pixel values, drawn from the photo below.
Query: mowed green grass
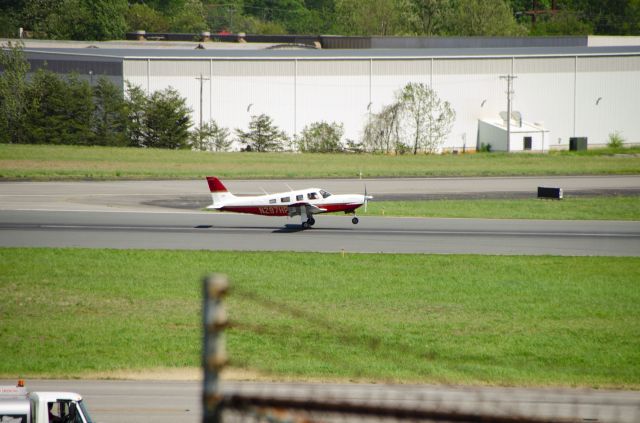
(460, 319)
(41, 162)
(570, 208)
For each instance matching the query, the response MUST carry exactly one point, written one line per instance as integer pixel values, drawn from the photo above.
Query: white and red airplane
(304, 203)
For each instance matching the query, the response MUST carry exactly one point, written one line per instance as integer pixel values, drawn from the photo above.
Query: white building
(564, 91)
(520, 136)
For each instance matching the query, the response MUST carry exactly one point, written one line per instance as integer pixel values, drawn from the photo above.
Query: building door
(527, 143)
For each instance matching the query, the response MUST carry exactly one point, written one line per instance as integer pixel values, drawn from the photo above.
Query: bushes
(615, 140)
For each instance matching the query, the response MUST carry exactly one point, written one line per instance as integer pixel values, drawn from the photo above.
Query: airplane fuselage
(304, 203)
(279, 204)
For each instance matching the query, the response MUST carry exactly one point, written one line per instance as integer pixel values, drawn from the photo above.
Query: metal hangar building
(557, 92)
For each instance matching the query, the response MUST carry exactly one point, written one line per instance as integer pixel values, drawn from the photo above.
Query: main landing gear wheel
(355, 220)
(311, 221)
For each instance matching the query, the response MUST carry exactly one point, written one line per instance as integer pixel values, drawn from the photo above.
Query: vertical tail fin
(219, 193)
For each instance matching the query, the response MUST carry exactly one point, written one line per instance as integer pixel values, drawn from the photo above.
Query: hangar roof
(146, 53)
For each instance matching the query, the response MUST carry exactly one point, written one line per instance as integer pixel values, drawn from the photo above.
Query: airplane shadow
(285, 229)
(289, 229)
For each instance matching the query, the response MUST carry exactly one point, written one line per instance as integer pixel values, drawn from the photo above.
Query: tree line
(47, 108)
(111, 19)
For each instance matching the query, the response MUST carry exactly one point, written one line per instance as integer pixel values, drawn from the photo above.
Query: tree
(136, 106)
(426, 118)
(107, 19)
(263, 135)
(9, 19)
(562, 23)
(110, 114)
(141, 16)
(167, 120)
(59, 111)
(35, 13)
(211, 137)
(76, 19)
(382, 131)
(612, 17)
(429, 16)
(482, 17)
(417, 120)
(321, 137)
(188, 18)
(13, 93)
(161, 120)
(375, 17)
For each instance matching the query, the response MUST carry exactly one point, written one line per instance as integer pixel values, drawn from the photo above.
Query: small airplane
(304, 203)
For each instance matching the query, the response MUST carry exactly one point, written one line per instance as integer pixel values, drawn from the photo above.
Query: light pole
(510, 91)
(201, 79)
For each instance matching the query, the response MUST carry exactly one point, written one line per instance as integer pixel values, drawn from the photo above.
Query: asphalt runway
(221, 231)
(163, 214)
(150, 401)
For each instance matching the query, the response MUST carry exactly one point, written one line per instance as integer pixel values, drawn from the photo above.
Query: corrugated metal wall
(544, 93)
(297, 92)
(244, 88)
(475, 91)
(608, 98)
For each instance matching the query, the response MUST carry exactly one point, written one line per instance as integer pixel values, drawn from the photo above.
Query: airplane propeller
(366, 198)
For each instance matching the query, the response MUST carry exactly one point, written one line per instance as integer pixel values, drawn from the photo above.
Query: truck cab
(18, 405)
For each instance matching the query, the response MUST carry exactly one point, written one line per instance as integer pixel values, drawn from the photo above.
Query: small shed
(525, 136)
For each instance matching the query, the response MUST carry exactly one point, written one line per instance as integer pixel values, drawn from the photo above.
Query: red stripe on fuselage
(262, 210)
(284, 210)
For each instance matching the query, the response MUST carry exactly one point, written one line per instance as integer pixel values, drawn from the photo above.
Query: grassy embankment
(412, 318)
(570, 208)
(38, 162)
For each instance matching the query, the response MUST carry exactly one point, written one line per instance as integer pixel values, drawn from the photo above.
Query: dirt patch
(179, 374)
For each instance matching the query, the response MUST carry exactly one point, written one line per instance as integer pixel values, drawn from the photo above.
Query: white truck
(18, 405)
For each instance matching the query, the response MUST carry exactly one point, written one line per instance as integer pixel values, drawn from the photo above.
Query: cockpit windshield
(85, 412)
(325, 194)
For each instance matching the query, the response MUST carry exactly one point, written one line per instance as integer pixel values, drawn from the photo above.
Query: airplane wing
(296, 209)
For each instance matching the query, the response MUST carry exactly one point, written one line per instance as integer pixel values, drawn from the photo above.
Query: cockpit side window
(325, 194)
(312, 196)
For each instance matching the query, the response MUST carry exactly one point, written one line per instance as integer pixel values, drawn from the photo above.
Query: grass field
(38, 162)
(570, 208)
(412, 318)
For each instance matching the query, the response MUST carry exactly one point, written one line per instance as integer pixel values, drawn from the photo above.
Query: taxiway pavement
(154, 401)
(194, 194)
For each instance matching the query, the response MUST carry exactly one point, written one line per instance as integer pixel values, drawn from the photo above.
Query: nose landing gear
(355, 220)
